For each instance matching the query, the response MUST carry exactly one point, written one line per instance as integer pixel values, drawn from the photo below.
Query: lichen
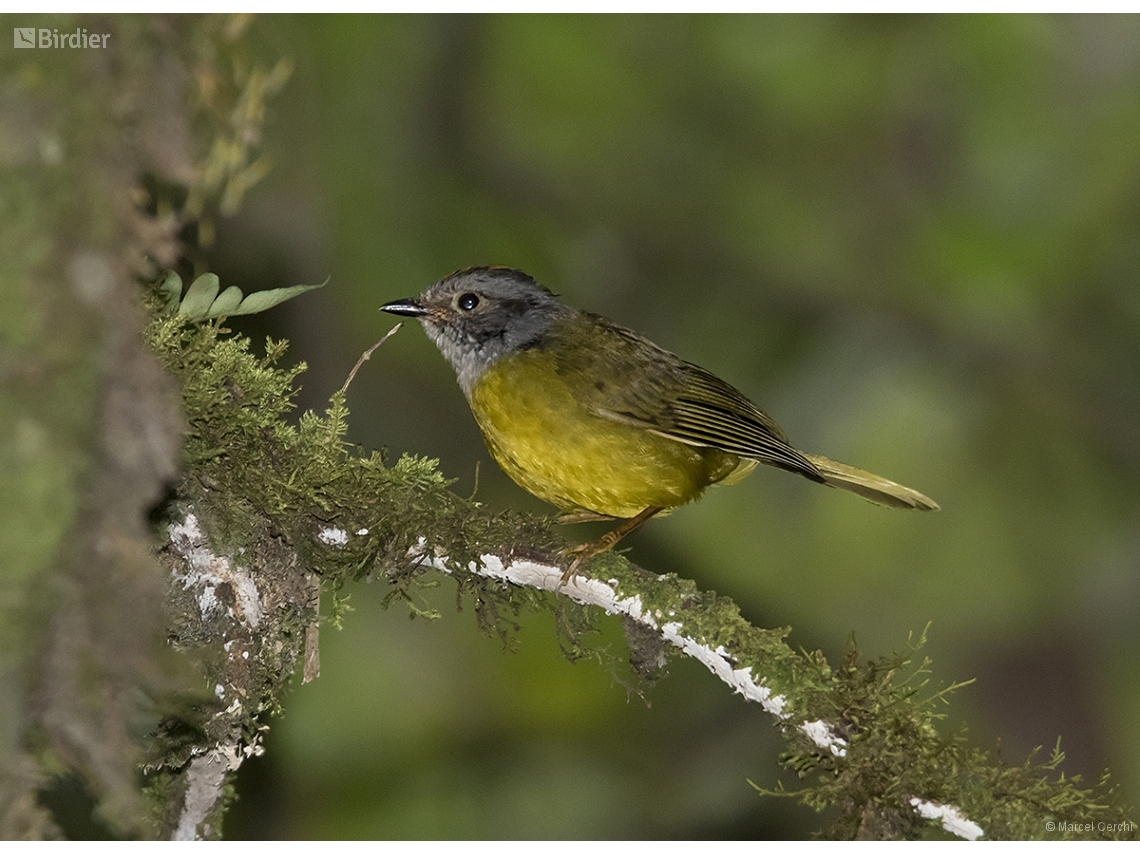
(300, 510)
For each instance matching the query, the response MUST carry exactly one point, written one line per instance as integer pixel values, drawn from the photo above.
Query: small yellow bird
(598, 420)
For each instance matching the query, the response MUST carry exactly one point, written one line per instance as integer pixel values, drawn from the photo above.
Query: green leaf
(259, 301)
(227, 302)
(171, 290)
(199, 297)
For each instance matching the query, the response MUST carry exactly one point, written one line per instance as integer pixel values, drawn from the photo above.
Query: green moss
(266, 489)
(890, 718)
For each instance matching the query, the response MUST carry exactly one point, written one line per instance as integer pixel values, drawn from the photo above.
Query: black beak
(407, 307)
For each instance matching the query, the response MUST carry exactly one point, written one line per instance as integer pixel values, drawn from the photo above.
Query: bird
(598, 420)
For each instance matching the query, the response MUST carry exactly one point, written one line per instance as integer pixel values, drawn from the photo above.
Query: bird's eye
(467, 301)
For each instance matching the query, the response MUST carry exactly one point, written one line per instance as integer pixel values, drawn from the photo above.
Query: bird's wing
(652, 388)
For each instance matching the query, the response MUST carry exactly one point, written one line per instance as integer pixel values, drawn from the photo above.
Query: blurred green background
(912, 240)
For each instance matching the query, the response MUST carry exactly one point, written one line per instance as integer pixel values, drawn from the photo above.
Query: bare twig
(368, 353)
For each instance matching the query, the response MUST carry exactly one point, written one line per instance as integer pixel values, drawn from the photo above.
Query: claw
(585, 551)
(582, 552)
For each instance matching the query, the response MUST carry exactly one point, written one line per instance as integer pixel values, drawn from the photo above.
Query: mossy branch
(279, 511)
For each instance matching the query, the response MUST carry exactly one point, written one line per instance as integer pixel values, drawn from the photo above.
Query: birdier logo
(30, 37)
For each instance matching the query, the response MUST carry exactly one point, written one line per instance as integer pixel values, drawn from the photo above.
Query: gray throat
(470, 356)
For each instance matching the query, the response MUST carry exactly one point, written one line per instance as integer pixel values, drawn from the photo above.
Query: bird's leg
(605, 543)
(583, 516)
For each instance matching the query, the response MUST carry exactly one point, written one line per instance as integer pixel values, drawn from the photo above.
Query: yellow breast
(545, 436)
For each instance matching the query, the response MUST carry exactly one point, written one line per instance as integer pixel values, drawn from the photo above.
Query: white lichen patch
(821, 734)
(207, 571)
(208, 600)
(720, 663)
(952, 819)
(332, 536)
(594, 592)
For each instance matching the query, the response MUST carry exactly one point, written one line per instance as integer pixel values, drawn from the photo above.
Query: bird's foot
(585, 551)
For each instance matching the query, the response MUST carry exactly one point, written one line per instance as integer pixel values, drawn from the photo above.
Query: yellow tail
(871, 487)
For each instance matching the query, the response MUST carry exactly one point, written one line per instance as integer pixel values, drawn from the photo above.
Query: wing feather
(655, 389)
